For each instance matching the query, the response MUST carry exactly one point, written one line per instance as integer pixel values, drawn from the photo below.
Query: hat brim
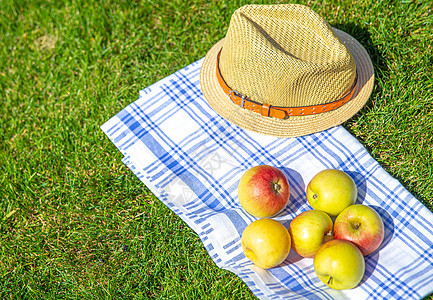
(296, 125)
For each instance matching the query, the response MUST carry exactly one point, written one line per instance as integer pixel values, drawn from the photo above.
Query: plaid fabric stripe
(192, 160)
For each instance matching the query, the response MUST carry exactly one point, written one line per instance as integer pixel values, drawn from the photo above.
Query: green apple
(361, 225)
(263, 191)
(339, 264)
(266, 242)
(309, 230)
(331, 191)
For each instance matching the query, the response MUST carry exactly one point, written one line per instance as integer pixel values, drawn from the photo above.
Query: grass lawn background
(74, 221)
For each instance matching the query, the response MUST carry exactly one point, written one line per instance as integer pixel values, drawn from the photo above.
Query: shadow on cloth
(361, 185)
(298, 195)
(372, 259)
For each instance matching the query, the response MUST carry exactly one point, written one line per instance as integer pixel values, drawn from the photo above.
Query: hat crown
(285, 55)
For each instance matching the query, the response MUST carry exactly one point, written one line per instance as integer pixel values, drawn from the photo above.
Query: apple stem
(276, 187)
(314, 196)
(330, 279)
(356, 226)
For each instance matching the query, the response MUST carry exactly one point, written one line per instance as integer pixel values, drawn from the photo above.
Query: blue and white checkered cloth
(192, 160)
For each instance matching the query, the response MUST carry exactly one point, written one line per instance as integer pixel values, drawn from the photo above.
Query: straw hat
(282, 70)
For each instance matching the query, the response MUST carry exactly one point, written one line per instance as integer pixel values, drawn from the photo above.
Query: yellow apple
(266, 242)
(309, 230)
(331, 191)
(339, 264)
(263, 191)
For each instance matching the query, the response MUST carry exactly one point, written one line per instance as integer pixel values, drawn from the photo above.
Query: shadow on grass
(381, 70)
(382, 73)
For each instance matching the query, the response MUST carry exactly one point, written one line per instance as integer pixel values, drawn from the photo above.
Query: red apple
(263, 191)
(361, 225)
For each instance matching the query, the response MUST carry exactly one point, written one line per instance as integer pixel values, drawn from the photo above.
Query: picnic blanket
(192, 160)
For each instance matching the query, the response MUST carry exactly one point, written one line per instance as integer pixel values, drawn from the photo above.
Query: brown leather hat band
(279, 111)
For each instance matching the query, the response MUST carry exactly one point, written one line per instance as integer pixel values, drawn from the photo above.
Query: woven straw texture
(286, 55)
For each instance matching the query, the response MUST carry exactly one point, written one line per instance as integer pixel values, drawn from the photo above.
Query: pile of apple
(338, 247)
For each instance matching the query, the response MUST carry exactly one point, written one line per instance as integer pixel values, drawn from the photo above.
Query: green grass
(74, 221)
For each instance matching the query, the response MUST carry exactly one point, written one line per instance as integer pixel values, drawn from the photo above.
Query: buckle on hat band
(280, 112)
